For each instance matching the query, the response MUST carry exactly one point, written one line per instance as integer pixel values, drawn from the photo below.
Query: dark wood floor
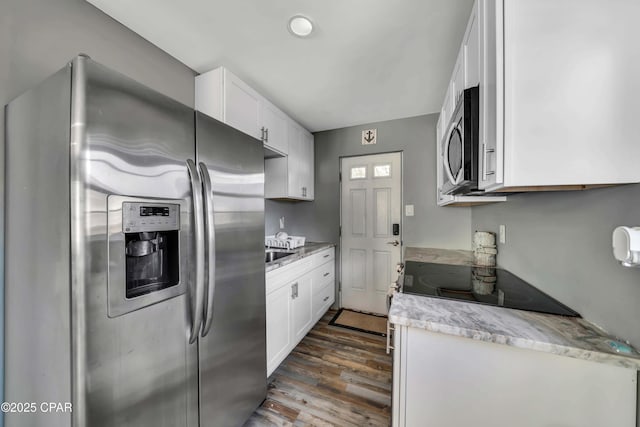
(334, 377)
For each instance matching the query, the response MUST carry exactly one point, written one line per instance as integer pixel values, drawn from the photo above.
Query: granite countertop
(308, 249)
(565, 336)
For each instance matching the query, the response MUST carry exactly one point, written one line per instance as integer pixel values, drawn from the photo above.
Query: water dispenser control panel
(142, 217)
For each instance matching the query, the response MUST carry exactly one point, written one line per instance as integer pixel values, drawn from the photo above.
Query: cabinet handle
(389, 329)
(326, 274)
(266, 132)
(326, 256)
(325, 299)
(294, 291)
(262, 134)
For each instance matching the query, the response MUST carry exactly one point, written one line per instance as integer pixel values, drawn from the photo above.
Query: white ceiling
(367, 60)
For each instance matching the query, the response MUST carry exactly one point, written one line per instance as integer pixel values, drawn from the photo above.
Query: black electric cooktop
(481, 285)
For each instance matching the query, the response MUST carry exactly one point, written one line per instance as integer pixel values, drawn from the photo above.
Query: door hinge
(340, 175)
(339, 286)
(340, 231)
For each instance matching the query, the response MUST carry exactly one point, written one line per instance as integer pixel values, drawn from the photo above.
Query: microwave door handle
(445, 152)
(197, 305)
(210, 234)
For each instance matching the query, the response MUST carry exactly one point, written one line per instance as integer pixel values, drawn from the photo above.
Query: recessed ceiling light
(300, 26)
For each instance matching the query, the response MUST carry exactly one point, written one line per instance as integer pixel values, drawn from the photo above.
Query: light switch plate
(408, 210)
(503, 234)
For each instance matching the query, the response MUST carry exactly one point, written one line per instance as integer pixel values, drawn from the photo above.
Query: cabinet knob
(325, 299)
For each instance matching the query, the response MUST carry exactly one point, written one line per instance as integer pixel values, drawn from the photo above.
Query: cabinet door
(307, 165)
(295, 162)
(490, 19)
(279, 330)
(242, 106)
(301, 310)
(274, 123)
(471, 48)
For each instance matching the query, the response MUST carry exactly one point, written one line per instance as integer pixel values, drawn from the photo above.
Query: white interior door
(371, 192)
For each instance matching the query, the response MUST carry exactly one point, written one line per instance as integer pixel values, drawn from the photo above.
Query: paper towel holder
(626, 245)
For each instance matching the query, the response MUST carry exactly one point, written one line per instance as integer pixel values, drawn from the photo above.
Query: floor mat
(363, 322)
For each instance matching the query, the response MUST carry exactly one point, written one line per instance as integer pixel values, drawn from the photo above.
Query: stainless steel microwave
(460, 145)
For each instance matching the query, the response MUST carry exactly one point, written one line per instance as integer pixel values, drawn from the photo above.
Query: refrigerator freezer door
(232, 355)
(136, 369)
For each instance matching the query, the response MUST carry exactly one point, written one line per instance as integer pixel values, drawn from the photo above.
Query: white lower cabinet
(298, 295)
(449, 381)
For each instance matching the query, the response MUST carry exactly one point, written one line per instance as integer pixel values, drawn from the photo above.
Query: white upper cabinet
(292, 177)
(289, 169)
(559, 94)
(222, 95)
(467, 73)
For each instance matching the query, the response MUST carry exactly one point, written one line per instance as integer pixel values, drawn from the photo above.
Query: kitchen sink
(271, 256)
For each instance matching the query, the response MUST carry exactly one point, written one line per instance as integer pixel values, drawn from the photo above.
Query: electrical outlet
(281, 223)
(503, 234)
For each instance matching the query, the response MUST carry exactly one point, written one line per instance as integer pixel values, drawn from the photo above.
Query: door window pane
(359, 172)
(382, 171)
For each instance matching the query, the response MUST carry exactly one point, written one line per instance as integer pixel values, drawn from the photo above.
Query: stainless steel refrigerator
(134, 281)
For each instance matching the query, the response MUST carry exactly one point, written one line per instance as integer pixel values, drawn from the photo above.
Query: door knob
(394, 243)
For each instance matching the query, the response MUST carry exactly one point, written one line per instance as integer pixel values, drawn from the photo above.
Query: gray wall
(561, 243)
(294, 224)
(415, 136)
(37, 38)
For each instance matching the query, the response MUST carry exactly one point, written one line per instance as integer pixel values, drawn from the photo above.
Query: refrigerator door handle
(210, 234)
(198, 306)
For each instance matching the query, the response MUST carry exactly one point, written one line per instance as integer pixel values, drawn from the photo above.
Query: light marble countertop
(565, 336)
(439, 256)
(308, 249)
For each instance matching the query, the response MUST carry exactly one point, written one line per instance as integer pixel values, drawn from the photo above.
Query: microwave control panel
(145, 217)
